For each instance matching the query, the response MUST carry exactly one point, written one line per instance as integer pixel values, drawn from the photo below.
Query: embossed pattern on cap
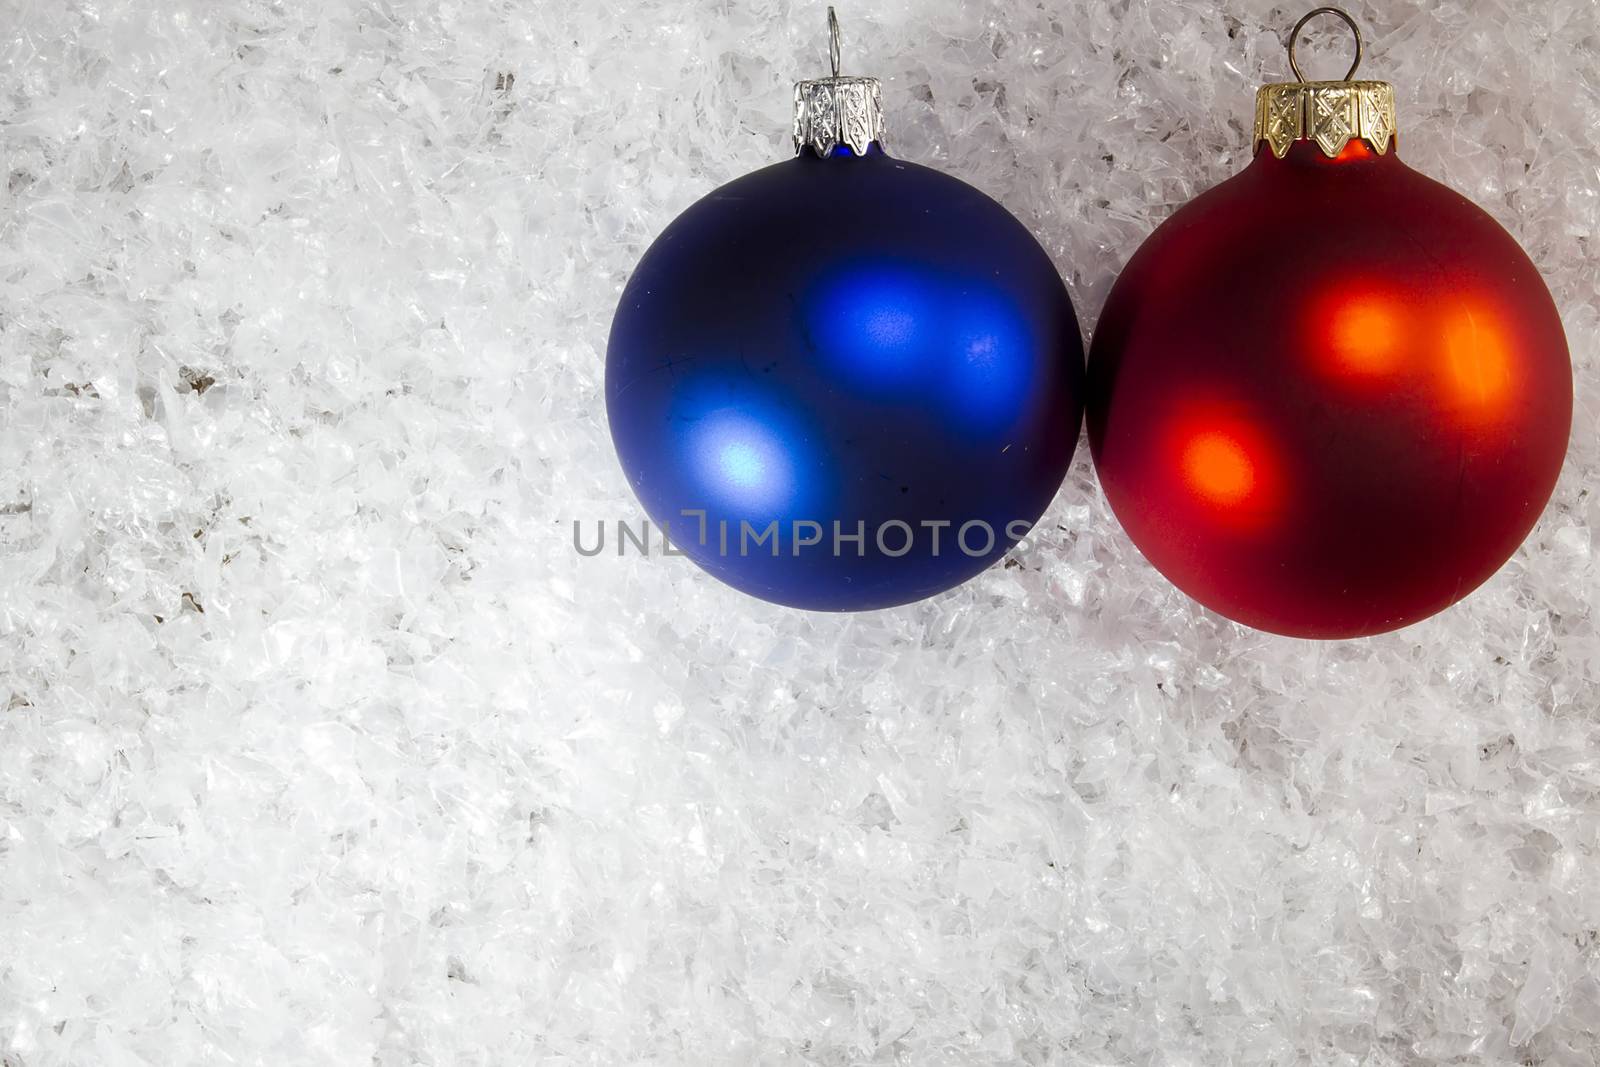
(1329, 113)
(829, 112)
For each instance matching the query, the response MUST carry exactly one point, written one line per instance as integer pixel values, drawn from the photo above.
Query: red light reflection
(1227, 466)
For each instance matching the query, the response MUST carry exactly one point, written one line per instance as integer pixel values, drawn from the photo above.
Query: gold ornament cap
(829, 112)
(1330, 113)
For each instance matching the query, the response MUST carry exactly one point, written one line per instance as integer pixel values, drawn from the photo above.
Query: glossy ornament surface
(1329, 397)
(845, 345)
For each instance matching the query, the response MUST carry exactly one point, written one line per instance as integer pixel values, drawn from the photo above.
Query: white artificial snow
(319, 743)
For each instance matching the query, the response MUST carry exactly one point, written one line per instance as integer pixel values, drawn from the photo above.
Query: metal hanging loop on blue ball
(833, 41)
(834, 113)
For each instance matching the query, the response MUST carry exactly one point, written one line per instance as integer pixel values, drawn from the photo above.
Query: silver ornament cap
(829, 112)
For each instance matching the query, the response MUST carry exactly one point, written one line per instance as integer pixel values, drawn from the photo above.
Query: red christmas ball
(1330, 396)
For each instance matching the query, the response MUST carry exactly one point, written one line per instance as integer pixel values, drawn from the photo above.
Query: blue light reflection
(879, 325)
(741, 463)
(994, 356)
(911, 332)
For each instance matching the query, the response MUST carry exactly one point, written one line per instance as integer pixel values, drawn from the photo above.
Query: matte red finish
(1329, 397)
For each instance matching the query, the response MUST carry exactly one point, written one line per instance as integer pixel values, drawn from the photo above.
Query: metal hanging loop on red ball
(1294, 40)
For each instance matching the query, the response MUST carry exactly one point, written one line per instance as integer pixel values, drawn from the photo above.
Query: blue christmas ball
(845, 383)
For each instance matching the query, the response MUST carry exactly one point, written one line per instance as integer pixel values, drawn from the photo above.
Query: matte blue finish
(845, 340)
